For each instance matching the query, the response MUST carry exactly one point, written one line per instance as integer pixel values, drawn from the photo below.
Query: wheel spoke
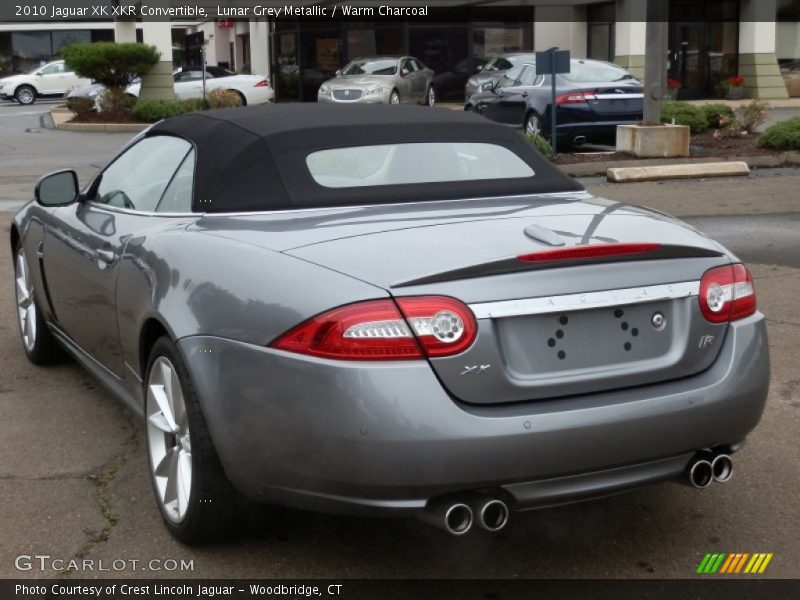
(160, 422)
(184, 477)
(22, 293)
(164, 467)
(30, 323)
(176, 398)
(171, 491)
(160, 396)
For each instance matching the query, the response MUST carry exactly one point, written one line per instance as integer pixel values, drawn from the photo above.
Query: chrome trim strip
(572, 302)
(615, 96)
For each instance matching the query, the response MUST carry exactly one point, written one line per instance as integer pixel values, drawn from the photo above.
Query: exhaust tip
(722, 468)
(701, 474)
(458, 519)
(494, 515)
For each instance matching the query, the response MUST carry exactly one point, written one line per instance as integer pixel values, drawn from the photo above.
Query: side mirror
(57, 189)
(479, 69)
(487, 86)
(404, 72)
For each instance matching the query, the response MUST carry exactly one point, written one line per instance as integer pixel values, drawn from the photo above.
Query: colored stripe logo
(734, 563)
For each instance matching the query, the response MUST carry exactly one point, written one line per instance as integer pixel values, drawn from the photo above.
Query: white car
(252, 89)
(53, 79)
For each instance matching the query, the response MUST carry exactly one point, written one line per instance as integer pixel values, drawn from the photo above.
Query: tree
(111, 64)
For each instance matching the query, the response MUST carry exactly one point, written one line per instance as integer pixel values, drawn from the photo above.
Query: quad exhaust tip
(708, 467)
(722, 468)
(457, 517)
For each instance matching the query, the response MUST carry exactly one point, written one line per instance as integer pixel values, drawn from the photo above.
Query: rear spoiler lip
(505, 266)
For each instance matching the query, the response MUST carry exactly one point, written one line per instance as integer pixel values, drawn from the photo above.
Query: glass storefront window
(443, 49)
(787, 44)
(600, 31)
(5, 54)
(491, 39)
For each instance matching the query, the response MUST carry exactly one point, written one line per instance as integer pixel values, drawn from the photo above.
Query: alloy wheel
(431, 96)
(532, 126)
(168, 440)
(26, 305)
(25, 96)
(394, 98)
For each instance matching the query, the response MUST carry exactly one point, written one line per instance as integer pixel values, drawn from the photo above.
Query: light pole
(655, 60)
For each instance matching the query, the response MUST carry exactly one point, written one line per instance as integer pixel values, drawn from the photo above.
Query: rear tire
(430, 97)
(533, 125)
(394, 98)
(40, 346)
(25, 95)
(193, 494)
(242, 99)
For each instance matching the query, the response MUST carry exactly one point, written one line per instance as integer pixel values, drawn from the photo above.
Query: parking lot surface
(74, 484)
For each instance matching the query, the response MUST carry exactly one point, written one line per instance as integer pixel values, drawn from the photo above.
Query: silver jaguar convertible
(388, 311)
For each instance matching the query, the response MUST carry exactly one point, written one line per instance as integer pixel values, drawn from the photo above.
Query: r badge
(705, 341)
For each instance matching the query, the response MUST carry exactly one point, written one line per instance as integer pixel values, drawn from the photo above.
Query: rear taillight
(588, 252)
(262, 83)
(727, 294)
(576, 97)
(377, 330)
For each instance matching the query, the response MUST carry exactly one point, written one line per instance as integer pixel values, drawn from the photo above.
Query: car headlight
(324, 91)
(92, 94)
(375, 91)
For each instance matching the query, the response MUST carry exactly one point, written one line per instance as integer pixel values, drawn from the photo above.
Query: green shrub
(718, 115)
(782, 136)
(116, 104)
(195, 105)
(224, 99)
(114, 65)
(150, 111)
(541, 144)
(753, 115)
(684, 114)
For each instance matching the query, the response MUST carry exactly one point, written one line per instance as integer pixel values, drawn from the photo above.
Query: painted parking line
(25, 114)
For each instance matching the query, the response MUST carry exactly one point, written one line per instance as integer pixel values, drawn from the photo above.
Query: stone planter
(734, 93)
(653, 141)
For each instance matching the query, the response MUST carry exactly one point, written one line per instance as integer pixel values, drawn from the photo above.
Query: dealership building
(708, 42)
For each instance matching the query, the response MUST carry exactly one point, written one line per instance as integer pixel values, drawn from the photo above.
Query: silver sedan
(381, 80)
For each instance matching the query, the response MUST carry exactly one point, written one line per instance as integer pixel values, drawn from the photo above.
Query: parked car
(388, 311)
(591, 100)
(494, 68)
(182, 74)
(252, 89)
(52, 80)
(381, 80)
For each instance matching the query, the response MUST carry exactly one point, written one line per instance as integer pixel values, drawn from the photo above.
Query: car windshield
(372, 66)
(595, 71)
(401, 164)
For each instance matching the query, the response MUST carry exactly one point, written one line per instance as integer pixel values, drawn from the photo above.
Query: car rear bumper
(597, 131)
(385, 438)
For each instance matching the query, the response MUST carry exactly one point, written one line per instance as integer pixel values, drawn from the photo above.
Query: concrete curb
(102, 127)
(656, 173)
(601, 167)
(61, 116)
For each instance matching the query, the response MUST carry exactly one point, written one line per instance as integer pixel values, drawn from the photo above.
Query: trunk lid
(544, 330)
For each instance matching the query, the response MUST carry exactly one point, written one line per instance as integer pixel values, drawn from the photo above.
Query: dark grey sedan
(387, 311)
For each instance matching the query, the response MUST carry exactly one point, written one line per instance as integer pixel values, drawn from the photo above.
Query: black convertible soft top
(254, 158)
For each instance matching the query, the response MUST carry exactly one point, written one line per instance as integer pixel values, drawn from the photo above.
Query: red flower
(734, 81)
(673, 84)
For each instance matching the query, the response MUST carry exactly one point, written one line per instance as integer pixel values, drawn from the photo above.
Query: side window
(528, 77)
(138, 178)
(414, 64)
(53, 69)
(178, 195)
(510, 78)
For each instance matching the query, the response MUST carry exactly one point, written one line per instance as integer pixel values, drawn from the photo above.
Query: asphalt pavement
(73, 480)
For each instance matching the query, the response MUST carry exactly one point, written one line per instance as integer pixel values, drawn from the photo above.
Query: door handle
(524, 94)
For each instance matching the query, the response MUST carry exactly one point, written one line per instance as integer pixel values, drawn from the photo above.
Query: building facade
(708, 42)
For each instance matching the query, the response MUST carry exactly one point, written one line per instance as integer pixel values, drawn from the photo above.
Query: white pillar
(630, 35)
(125, 32)
(158, 84)
(259, 48)
(564, 27)
(757, 61)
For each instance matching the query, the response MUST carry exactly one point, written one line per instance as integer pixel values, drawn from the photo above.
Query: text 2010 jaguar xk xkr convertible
(387, 310)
